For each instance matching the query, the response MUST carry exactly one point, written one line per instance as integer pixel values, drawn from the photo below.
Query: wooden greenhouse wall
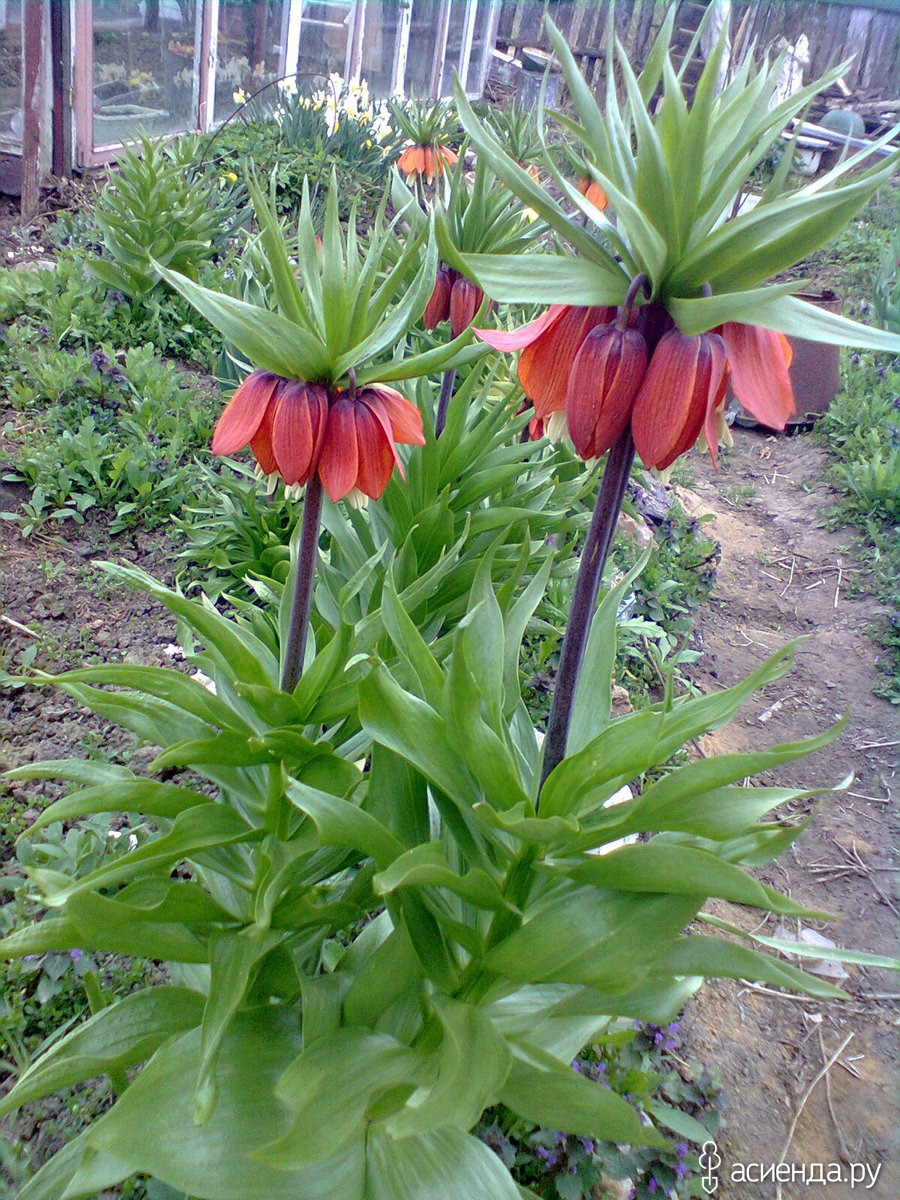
(836, 30)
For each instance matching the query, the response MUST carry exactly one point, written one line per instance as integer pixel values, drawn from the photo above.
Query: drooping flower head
(296, 430)
(455, 298)
(426, 162)
(672, 168)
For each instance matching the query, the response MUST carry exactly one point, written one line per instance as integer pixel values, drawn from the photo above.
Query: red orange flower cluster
(295, 430)
(427, 162)
(454, 297)
(592, 192)
(608, 368)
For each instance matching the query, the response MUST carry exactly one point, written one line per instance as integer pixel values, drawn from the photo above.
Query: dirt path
(781, 576)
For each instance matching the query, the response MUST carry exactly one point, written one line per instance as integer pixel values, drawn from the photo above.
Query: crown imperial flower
(297, 429)
(603, 382)
(682, 384)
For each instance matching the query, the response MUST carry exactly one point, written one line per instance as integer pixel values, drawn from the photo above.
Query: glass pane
(10, 75)
(423, 32)
(482, 45)
(145, 65)
(379, 45)
(325, 29)
(455, 35)
(250, 51)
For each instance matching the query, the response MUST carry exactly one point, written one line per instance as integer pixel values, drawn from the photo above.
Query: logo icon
(710, 1160)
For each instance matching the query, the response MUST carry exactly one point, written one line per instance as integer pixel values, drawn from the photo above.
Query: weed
(862, 431)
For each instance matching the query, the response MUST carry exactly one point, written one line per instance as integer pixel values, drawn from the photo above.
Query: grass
(862, 432)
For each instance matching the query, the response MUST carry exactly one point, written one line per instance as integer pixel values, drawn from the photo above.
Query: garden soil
(782, 576)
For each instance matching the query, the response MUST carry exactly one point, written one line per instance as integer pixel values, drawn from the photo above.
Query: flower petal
(261, 444)
(759, 360)
(376, 452)
(603, 383)
(671, 406)
(405, 419)
(438, 307)
(297, 430)
(339, 460)
(544, 366)
(517, 339)
(244, 413)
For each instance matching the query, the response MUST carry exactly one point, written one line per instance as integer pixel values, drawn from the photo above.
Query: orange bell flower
(427, 162)
(682, 384)
(605, 377)
(282, 420)
(358, 453)
(297, 429)
(549, 345)
(758, 360)
(592, 192)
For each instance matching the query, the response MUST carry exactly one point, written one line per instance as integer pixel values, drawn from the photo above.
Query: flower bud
(438, 307)
(465, 300)
(607, 372)
(683, 379)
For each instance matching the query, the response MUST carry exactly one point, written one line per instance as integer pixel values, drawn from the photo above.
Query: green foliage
(862, 430)
(416, 917)
(306, 134)
(637, 1063)
(675, 228)
(66, 308)
(89, 432)
(154, 210)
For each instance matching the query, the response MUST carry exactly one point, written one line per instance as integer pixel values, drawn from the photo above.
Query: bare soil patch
(782, 576)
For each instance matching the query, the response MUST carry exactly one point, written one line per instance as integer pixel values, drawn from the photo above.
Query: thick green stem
(584, 600)
(446, 396)
(295, 649)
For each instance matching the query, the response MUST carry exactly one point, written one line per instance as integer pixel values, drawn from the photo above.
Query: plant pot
(815, 374)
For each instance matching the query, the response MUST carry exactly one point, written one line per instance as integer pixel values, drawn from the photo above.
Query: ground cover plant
(862, 431)
(384, 902)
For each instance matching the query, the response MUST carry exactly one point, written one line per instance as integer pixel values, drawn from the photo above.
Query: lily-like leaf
(266, 339)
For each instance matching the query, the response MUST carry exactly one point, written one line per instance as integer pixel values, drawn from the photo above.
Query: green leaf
(264, 338)
(521, 822)
(548, 1092)
(234, 957)
(805, 950)
(546, 279)
(214, 1160)
(329, 1089)
(658, 866)
(426, 866)
(620, 937)
(134, 795)
(411, 728)
(436, 1166)
(471, 1065)
(126, 1033)
(341, 823)
(710, 956)
(193, 830)
(591, 705)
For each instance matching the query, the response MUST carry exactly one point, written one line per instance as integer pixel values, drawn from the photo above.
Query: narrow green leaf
(266, 339)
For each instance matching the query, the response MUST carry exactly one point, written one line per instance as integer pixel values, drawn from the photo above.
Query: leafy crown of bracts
(673, 174)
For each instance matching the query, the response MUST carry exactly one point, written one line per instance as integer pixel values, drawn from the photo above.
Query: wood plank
(34, 98)
(856, 41)
(881, 71)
